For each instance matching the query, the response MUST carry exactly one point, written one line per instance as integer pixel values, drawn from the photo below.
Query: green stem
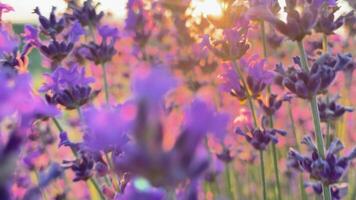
(325, 43)
(264, 192)
(59, 127)
(252, 108)
(230, 182)
(249, 98)
(326, 192)
(275, 162)
(106, 85)
(328, 134)
(75, 153)
(303, 194)
(316, 119)
(97, 188)
(263, 35)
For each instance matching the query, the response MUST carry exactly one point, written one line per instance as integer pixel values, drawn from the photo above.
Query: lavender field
(179, 100)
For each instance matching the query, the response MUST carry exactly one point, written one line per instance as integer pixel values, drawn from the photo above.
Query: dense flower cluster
(166, 103)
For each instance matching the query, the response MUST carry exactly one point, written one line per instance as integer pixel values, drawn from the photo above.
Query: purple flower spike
(328, 170)
(68, 87)
(50, 26)
(260, 138)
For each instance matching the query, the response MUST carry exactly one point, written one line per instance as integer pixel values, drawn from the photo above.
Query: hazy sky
(23, 8)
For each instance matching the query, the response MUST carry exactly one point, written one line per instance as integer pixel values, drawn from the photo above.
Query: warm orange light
(207, 7)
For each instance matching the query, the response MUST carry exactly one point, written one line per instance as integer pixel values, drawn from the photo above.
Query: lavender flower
(260, 138)
(50, 26)
(138, 22)
(257, 78)
(329, 110)
(273, 103)
(306, 84)
(233, 45)
(328, 170)
(68, 87)
(327, 23)
(86, 14)
(337, 191)
(103, 52)
(56, 51)
(183, 161)
(298, 24)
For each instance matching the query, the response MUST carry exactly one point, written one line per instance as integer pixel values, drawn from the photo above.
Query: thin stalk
(230, 182)
(303, 194)
(97, 188)
(275, 163)
(263, 36)
(325, 43)
(249, 98)
(326, 192)
(316, 118)
(75, 153)
(264, 192)
(106, 85)
(253, 111)
(328, 134)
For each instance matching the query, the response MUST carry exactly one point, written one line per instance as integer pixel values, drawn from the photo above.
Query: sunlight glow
(207, 7)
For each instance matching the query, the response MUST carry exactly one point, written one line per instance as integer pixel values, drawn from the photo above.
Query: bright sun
(206, 7)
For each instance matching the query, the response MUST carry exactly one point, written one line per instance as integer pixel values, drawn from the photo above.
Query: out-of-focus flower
(140, 189)
(298, 25)
(327, 23)
(107, 128)
(169, 167)
(328, 170)
(50, 26)
(138, 22)
(233, 45)
(306, 84)
(259, 138)
(103, 52)
(273, 103)
(201, 119)
(68, 87)
(274, 40)
(329, 110)
(4, 8)
(152, 84)
(85, 14)
(256, 81)
(16, 96)
(271, 5)
(350, 23)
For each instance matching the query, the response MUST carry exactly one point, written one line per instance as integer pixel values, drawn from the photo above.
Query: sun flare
(207, 7)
